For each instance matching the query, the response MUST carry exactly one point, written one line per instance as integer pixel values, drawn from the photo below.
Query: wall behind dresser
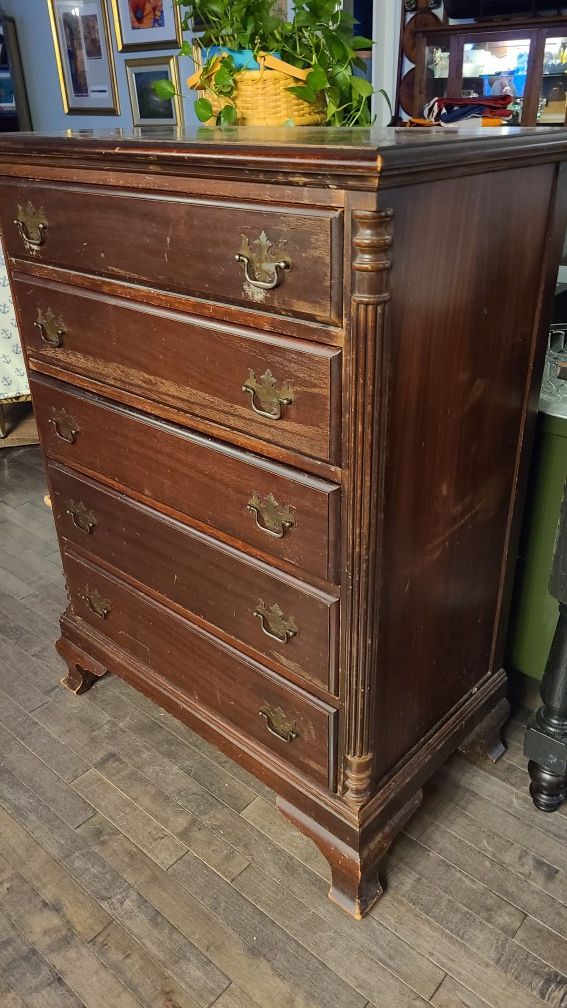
(42, 82)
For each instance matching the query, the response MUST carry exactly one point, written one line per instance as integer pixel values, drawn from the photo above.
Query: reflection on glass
(437, 72)
(496, 68)
(553, 94)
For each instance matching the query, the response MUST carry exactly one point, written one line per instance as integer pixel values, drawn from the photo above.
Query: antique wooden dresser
(284, 382)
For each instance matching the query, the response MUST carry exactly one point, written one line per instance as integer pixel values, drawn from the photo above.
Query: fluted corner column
(365, 432)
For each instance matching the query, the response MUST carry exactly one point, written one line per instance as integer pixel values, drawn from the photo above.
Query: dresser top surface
(361, 154)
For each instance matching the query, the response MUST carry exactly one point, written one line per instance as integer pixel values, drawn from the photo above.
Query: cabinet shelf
(522, 58)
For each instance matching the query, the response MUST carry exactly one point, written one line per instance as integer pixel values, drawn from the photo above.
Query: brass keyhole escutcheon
(51, 327)
(272, 518)
(32, 225)
(266, 398)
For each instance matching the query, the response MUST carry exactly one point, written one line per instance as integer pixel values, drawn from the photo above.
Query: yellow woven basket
(261, 97)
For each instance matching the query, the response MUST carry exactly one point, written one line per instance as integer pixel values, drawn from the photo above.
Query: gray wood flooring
(139, 867)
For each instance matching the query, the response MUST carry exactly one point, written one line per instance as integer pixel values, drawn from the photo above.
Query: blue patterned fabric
(13, 378)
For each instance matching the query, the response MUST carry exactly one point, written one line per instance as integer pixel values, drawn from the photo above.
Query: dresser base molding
(486, 739)
(82, 670)
(355, 884)
(354, 840)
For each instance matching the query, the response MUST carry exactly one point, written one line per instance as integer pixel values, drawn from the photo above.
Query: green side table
(534, 611)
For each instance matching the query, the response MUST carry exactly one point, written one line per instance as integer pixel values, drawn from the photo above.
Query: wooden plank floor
(139, 867)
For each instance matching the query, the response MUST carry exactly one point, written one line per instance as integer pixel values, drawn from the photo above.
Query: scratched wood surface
(140, 867)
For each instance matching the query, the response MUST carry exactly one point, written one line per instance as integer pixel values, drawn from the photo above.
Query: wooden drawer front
(201, 479)
(189, 364)
(183, 245)
(213, 676)
(213, 582)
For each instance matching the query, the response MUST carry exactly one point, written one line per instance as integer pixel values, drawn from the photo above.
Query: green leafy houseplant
(319, 40)
(234, 24)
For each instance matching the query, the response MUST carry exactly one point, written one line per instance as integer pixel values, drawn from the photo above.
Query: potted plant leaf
(254, 67)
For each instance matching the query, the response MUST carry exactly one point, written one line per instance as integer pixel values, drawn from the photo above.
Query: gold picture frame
(83, 53)
(147, 109)
(130, 38)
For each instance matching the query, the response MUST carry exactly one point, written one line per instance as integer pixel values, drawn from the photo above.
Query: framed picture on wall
(147, 24)
(84, 56)
(147, 108)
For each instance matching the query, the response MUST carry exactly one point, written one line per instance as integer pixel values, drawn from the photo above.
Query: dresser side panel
(466, 279)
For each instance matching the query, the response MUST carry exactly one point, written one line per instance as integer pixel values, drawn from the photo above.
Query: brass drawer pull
(274, 623)
(81, 517)
(278, 724)
(66, 426)
(270, 517)
(96, 603)
(32, 225)
(265, 260)
(263, 392)
(51, 327)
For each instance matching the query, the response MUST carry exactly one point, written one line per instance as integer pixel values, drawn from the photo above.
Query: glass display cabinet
(526, 59)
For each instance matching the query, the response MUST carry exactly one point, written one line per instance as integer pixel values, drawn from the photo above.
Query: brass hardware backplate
(66, 427)
(32, 224)
(51, 327)
(274, 623)
(81, 517)
(96, 603)
(267, 400)
(272, 518)
(278, 723)
(265, 259)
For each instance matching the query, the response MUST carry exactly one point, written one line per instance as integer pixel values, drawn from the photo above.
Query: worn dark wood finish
(452, 394)
(214, 678)
(185, 868)
(180, 471)
(354, 869)
(486, 739)
(166, 357)
(215, 584)
(404, 248)
(159, 242)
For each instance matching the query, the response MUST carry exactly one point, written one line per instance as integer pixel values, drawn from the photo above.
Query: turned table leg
(546, 736)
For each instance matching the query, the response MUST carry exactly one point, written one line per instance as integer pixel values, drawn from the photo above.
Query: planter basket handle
(261, 97)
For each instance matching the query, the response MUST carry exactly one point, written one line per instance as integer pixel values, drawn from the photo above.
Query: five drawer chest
(285, 383)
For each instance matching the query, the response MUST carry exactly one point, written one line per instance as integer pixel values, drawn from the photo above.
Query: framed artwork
(147, 24)
(147, 108)
(84, 56)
